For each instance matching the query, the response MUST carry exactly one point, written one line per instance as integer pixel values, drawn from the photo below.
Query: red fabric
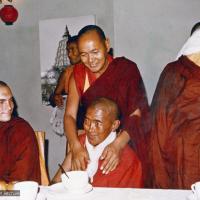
(19, 156)
(80, 75)
(122, 83)
(128, 173)
(175, 141)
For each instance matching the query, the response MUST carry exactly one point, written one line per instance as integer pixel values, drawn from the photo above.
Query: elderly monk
(100, 125)
(175, 142)
(19, 156)
(100, 75)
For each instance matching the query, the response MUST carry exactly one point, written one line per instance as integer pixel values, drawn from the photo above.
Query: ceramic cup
(28, 189)
(76, 180)
(196, 190)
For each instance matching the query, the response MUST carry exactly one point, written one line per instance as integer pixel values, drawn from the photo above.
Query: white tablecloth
(118, 194)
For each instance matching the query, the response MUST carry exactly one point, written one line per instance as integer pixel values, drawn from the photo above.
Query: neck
(195, 58)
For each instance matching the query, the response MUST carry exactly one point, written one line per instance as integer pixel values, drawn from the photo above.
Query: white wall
(152, 32)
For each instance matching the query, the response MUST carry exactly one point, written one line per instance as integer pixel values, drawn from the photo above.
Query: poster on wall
(53, 35)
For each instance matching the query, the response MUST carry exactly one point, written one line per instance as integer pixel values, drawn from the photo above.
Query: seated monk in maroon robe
(100, 125)
(175, 141)
(19, 155)
(99, 75)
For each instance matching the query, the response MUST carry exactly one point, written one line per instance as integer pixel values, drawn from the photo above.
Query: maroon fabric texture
(19, 156)
(175, 137)
(128, 173)
(122, 83)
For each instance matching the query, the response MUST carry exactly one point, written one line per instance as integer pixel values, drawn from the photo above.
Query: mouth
(91, 137)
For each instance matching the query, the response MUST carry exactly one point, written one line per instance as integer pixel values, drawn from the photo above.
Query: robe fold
(175, 136)
(128, 173)
(19, 155)
(122, 83)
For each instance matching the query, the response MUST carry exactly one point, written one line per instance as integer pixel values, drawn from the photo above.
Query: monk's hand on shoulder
(80, 157)
(110, 157)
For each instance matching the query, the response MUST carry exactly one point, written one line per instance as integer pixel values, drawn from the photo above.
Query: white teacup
(28, 189)
(76, 180)
(196, 189)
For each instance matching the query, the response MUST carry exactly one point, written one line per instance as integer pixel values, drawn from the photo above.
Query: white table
(119, 194)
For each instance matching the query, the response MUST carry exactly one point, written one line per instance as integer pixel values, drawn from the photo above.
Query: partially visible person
(101, 75)
(194, 28)
(100, 126)
(175, 141)
(63, 81)
(19, 154)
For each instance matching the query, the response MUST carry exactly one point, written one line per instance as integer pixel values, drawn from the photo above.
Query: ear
(107, 43)
(115, 125)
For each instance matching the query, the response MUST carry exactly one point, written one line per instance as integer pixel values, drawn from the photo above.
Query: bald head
(107, 105)
(90, 28)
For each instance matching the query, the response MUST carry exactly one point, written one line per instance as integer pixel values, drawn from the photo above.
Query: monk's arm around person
(110, 155)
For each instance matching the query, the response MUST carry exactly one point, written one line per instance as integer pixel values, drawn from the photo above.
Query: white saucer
(59, 189)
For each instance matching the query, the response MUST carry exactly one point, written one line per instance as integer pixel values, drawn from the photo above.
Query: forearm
(122, 139)
(61, 84)
(71, 130)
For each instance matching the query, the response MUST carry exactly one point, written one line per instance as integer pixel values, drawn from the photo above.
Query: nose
(91, 58)
(8, 105)
(70, 53)
(91, 127)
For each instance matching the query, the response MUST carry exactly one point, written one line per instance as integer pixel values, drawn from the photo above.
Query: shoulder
(125, 62)
(173, 67)
(22, 126)
(126, 68)
(129, 157)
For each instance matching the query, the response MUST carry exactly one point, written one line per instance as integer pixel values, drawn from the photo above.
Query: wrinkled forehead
(5, 92)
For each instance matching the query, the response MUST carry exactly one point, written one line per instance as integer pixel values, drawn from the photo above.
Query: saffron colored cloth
(175, 140)
(128, 173)
(19, 156)
(122, 83)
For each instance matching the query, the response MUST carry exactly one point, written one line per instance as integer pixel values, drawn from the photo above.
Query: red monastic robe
(175, 141)
(19, 156)
(122, 83)
(128, 173)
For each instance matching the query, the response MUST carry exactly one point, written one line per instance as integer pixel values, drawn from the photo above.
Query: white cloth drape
(95, 153)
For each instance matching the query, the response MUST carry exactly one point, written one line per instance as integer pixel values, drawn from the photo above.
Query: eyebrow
(96, 120)
(6, 99)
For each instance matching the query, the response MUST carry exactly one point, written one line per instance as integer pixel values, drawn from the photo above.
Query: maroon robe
(19, 155)
(122, 83)
(175, 141)
(128, 173)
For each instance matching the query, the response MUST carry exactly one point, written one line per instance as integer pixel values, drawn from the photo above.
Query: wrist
(75, 144)
(122, 139)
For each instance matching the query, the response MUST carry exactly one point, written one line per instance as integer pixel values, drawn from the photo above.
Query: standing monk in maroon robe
(175, 142)
(19, 155)
(119, 79)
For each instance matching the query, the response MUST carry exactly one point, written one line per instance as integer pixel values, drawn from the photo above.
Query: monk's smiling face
(93, 51)
(6, 103)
